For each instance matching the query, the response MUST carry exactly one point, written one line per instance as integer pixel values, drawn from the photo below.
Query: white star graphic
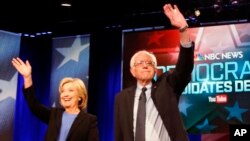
(245, 31)
(8, 88)
(236, 35)
(199, 35)
(183, 106)
(73, 52)
(220, 47)
(54, 104)
(214, 39)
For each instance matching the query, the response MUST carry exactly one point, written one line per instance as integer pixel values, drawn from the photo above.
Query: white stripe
(155, 130)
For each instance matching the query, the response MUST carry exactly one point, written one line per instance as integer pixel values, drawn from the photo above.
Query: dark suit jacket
(165, 94)
(84, 128)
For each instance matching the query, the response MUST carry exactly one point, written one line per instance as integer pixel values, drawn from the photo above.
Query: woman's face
(69, 97)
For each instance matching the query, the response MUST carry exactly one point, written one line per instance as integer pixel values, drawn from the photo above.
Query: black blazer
(84, 128)
(165, 93)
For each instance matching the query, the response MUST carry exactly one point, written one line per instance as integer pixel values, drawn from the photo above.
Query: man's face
(143, 68)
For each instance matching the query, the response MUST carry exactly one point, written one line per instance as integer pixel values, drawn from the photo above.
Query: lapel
(153, 89)
(130, 98)
(58, 121)
(76, 122)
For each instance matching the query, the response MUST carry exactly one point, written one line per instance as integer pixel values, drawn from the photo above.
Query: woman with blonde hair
(71, 122)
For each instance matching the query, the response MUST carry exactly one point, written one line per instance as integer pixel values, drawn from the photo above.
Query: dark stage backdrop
(219, 92)
(105, 78)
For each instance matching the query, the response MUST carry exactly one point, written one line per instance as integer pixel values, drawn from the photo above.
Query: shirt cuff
(186, 45)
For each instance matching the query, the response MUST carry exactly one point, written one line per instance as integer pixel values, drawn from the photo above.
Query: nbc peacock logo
(199, 57)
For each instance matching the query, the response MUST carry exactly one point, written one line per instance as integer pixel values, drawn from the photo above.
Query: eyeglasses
(141, 63)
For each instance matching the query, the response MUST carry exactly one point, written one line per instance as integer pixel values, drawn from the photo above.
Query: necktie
(141, 117)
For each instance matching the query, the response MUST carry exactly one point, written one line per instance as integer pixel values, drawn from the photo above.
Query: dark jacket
(166, 92)
(84, 128)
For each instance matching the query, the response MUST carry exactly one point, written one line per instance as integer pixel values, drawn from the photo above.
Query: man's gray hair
(152, 56)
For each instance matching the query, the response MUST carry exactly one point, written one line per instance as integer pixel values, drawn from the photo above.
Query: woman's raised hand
(23, 68)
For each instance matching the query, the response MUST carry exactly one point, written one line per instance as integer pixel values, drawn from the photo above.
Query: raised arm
(177, 20)
(24, 69)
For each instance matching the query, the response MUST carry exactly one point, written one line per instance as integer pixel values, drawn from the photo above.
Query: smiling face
(143, 68)
(73, 94)
(69, 96)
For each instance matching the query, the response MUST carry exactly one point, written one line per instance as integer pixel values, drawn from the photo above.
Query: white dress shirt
(155, 129)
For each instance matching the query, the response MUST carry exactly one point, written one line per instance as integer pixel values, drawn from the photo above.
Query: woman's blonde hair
(81, 90)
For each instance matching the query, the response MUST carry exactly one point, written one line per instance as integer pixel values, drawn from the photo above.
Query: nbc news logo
(219, 56)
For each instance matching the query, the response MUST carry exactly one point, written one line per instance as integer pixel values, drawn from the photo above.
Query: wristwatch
(183, 28)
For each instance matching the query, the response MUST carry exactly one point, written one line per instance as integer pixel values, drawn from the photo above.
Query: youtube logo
(220, 99)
